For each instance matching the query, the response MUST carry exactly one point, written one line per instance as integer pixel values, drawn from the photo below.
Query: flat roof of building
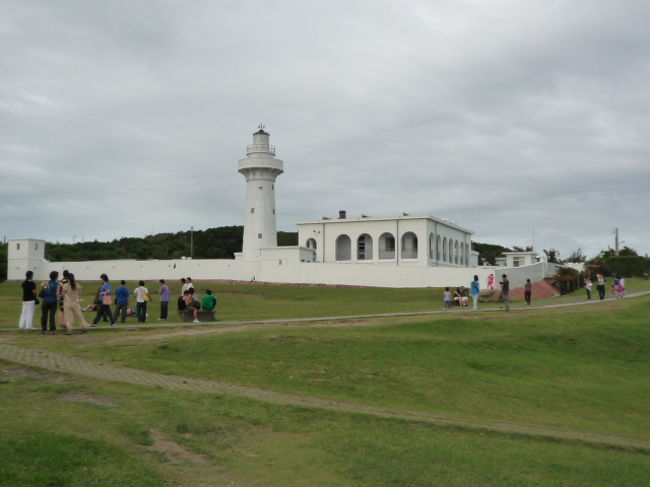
(364, 218)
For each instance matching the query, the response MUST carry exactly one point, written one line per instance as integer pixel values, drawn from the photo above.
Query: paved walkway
(65, 364)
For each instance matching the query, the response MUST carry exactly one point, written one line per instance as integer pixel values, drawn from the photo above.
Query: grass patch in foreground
(231, 441)
(581, 369)
(34, 457)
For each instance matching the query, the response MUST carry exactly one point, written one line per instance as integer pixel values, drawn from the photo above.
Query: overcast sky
(524, 121)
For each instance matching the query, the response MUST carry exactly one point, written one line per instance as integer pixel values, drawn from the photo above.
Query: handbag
(107, 300)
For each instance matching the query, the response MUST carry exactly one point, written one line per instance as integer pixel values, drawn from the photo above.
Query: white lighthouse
(260, 169)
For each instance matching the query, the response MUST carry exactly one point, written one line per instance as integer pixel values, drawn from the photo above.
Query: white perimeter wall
(288, 269)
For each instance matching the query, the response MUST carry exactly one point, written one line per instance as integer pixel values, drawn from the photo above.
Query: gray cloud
(511, 118)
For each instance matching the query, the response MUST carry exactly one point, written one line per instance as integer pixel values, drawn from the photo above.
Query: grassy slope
(585, 369)
(244, 443)
(255, 302)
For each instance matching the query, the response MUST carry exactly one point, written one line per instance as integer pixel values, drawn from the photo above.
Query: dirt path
(71, 365)
(334, 322)
(243, 328)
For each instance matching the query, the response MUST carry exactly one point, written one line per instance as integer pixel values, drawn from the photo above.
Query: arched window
(451, 251)
(438, 248)
(311, 243)
(343, 247)
(364, 247)
(444, 249)
(456, 252)
(431, 245)
(386, 246)
(409, 246)
(462, 253)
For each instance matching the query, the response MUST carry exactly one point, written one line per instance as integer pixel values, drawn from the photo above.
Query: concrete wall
(518, 275)
(282, 266)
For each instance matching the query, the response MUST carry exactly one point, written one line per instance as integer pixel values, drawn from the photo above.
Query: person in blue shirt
(475, 290)
(50, 294)
(122, 294)
(105, 301)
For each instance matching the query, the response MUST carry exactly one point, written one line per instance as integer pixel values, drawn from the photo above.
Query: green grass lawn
(580, 368)
(259, 302)
(83, 433)
(561, 368)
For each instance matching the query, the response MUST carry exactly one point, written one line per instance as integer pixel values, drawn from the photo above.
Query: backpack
(49, 291)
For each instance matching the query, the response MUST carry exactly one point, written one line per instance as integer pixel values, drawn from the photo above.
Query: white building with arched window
(416, 241)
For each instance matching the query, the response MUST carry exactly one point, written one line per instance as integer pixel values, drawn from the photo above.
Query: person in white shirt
(141, 294)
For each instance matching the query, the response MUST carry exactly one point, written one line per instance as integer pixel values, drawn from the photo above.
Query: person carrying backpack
(50, 295)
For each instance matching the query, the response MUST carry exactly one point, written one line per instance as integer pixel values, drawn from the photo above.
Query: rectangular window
(252, 210)
(17, 246)
(259, 235)
(261, 187)
(35, 246)
(274, 211)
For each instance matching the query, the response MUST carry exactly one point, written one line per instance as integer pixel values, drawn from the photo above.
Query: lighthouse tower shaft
(260, 168)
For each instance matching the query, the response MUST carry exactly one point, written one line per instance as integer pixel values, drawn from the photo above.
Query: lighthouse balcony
(274, 165)
(265, 148)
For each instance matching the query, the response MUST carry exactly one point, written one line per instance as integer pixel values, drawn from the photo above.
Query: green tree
(576, 256)
(552, 255)
(489, 252)
(3, 261)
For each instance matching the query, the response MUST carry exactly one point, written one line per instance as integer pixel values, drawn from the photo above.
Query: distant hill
(212, 243)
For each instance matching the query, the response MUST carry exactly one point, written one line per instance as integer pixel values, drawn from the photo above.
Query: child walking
(446, 298)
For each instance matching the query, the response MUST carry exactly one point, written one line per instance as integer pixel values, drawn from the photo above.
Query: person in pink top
(490, 281)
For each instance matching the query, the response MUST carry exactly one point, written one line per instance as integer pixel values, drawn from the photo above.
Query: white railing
(260, 148)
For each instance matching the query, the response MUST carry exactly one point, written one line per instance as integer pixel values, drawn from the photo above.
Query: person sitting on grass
(188, 301)
(209, 302)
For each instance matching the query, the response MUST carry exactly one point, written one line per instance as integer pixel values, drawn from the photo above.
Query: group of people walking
(459, 297)
(63, 297)
(618, 287)
(59, 297)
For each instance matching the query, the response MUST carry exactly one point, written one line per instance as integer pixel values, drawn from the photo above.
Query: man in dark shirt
(50, 302)
(505, 291)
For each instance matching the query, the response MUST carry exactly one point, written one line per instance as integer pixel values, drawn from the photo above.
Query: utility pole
(616, 240)
(191, 242)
